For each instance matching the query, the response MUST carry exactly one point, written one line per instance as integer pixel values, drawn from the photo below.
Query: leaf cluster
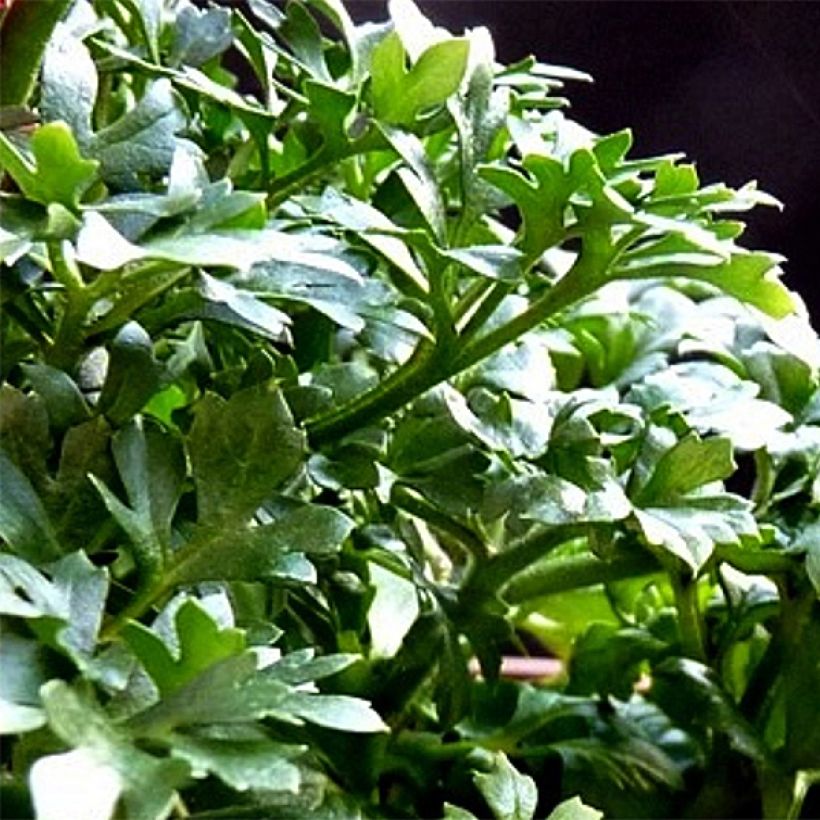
(340, 365)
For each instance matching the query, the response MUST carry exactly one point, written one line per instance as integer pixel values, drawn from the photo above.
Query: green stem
(565, 293)
(24, 34)
(685, 588)
(414, 503)
(578, 571)
(485, 310)
(68, 340)
(429, 367)
(419, 373)
(142, 601)
(757, 562)
(294, 181)
(497, 573)
(475, 292)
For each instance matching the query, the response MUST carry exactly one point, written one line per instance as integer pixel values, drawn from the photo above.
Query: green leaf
(64, 401)
(24, 672)
(552, 500)
(712, 398)
(24, 524)
(84, 589)
(27, 593)
(690, 531)
(340, 712)
(690, 464)
(58, 172)
(509, 794)
(217, 300)
(200, 35)
(541, 199)
(809, 540)
(148, 16)
(303, 35)
(241, 450)
(151, 465)
(266, 550)
(143, 141)
(369, 224)
(68, 89)
(392, 612)
(235, 691)
(103, 768)
(242, 764)
(201, 643)
(574, 809)
(399, 95)
(133, 374)
(752, 277)
(607, 660)
(691, 694)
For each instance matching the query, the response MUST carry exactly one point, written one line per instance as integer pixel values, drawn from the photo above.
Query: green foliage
(300, 440)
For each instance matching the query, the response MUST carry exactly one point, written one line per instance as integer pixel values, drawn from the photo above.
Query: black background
(733, 85)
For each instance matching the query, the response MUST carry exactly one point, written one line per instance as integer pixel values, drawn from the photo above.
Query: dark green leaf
(690, 693)
(141, 142)
(241, 450)
(64, 401)
(607, 660)
(151, 465)
(263, 551)
(133, 374)
(24, 524)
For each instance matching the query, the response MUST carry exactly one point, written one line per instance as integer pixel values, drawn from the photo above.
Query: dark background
(733, 85)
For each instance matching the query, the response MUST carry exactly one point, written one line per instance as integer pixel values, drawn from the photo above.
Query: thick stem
(24, 34)
(685, 588)
(562, 574)
(498, 573)
(419, 373)
(68, 340)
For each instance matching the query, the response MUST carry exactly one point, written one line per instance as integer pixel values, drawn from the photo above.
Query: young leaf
(201, 643)
(400, 95)
(690, 464)
(574, 809)
(509, 794)
(58, 174)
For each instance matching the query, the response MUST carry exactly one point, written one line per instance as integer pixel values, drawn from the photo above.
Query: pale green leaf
(509, 794)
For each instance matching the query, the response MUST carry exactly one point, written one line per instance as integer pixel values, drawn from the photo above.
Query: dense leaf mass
(332, 391)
